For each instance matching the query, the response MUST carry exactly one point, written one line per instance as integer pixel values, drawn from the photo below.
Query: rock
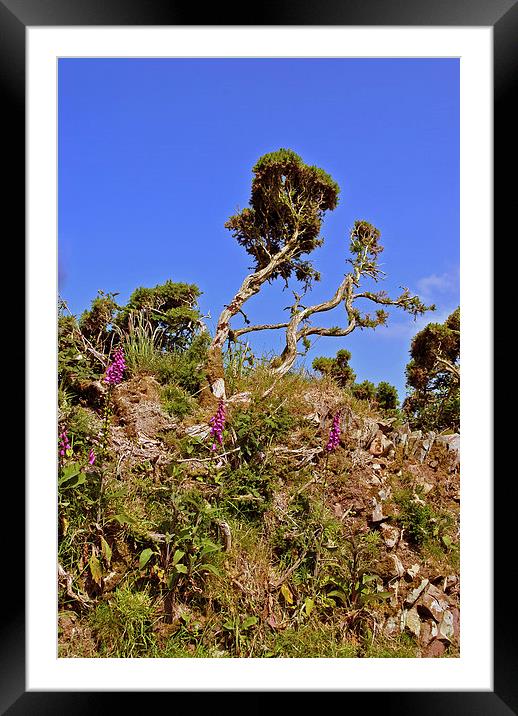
(427, 487)
(412, 571)
(414, 595)
(425, 446)
(381, 445)
(392, 626)
(376, 466)
(198, 431)
(398, 565)
(429, 631)
(244, 399)
(452, 443)
(446, 630)
(433, 603)
(412, 442)
(435, 648)
(377, 513)
(413, 622)
(390, 535)
(364, 431)
(456, 623)
(313, 418)
(137, 405)
(450, 582)
(384, 493)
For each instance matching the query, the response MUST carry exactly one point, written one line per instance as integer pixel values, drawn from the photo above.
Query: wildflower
(218, 423)
(65, 449)
(91, 457)
(334, 433)
(115, 370)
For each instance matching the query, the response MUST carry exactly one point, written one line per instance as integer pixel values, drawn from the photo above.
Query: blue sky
(154, 155)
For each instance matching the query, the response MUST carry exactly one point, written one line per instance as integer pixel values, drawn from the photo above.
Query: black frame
(502, 15)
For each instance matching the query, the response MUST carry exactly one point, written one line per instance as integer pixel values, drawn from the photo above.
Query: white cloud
(430, 286)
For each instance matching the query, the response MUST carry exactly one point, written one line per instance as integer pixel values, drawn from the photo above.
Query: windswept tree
(433, 376)
(278, 230)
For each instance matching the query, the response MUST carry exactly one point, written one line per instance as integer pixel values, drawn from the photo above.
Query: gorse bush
(337, 368)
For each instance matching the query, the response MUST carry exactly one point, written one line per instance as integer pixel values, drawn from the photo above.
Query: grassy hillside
(278, 542)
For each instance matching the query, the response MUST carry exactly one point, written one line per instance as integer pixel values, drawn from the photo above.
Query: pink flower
(218, 423)
(65, 449)
(115, 370)
(91, 457)
(334, 433)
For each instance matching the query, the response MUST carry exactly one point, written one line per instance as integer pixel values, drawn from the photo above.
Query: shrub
(337, 368)
(386, 396)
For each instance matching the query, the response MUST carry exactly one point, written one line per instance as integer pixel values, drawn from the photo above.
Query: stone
(434, 649)
(425, 446)
(456, 623)
(384, 493)
(412, 571)
(446, 630)
(412, 442)
(429, 631)
(380, 445)
(450, 582)
(377, 513)
(376, 466)
(313, 418)
(198, 431)
(391, 627)
(433, 603)
(244, 399)
(413, 622)
(390, 535)
(414, 595)
(452, 443)
(398, 565)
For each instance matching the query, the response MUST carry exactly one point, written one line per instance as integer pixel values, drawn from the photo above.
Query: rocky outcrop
(137, 406)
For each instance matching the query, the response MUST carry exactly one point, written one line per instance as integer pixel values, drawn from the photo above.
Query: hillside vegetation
(294, 519)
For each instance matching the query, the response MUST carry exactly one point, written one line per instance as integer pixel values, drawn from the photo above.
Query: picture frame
(15, 17)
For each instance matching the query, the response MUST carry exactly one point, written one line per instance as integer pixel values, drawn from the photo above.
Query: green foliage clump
(337, 368)
(364, 391)
(171, 310)
(288, 198)
(433, 401)
(123, 624)
(386, 397)
(96, 323)
(257, 428)
(425, 527)
(75, 363)
(184, 368)
(246, 491)
(176, 401)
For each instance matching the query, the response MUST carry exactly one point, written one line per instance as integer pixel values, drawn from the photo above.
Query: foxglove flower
(217, 423)
(334, 434)
(91, 457)
(116, 369)
(64, 445)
